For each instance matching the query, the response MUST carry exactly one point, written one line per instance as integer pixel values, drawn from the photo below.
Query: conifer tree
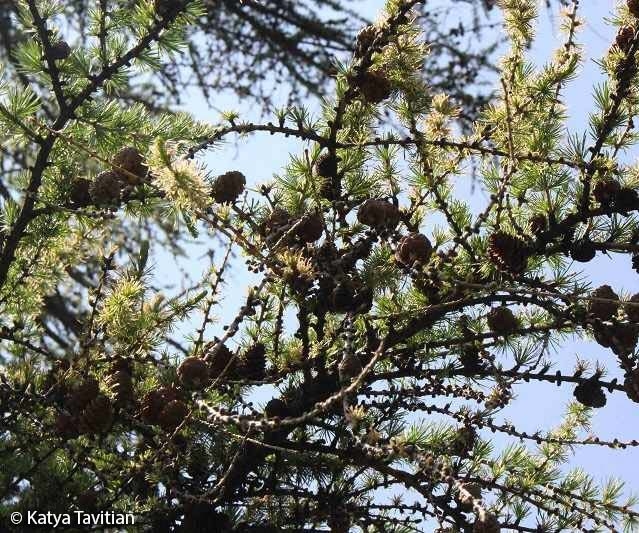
(389, 323)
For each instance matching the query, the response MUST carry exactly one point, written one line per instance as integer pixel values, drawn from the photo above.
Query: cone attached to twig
(507, 252)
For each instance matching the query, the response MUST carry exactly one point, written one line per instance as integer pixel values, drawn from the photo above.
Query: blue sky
(537, 405)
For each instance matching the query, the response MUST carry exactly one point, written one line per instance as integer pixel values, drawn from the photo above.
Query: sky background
(538, 405)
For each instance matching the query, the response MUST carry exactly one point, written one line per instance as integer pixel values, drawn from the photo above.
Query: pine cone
(129, 159)
(627, 199)
(633, 310)
(624, 338)
(79, 194)
(365, 39)
(275, 220)
(635, 263)
(464, 441)
(154, 402)
(502, 321)
(81, 394)
(486, 523)
(173, 415)
(602, 334)
(60, 50)
(590, 394)
(342, 296)
(583, 250)
(538, 223)
(193, 373)
(470, 360)
(326, 170)
(66, 426)
(220, 361)
(167, 8)
(603, 310)
(97, 416)
(633, 7)
(197, 461)
(507, 252)
(326, 165)
(276, 408)
(253, 365)
(378, 214)
(374, 86)
(631, 385)
(106, 189)
(120, 383)
(605, 191)
(228, 187)
(413, 248)
(310, 228)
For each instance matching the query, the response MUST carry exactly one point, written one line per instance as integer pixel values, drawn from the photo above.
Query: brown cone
(219, 362)
(413, 248)
(310, 228)
(502, 321)
(583, 250)
(487, 523)
(590, 394)
(129, 159)
(228, 187)
(65, 426)
(276, 408)
(374, 86)
(378, 214)
(173, 415)
(79, 195)
(154, 402)
(81, 394)
(120, 383)
(365, 39)
(193, 373)
(605, 191)
(603, 310)
(60, 50)
(106, 189)
(97, 416)
(253, 365)
(538, 223)
(507, 252)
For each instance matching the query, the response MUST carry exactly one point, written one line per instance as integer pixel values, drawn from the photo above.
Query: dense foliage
(389, 317)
